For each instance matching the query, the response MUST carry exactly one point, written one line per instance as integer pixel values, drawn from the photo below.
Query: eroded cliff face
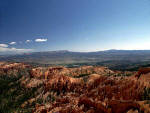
(12, 69)
(46, 72)
(105, 94)
(86, 89)
(141, 71)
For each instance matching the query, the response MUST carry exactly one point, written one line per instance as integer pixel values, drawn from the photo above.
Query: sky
(75, 25)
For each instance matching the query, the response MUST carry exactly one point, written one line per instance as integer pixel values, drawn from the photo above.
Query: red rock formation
(142, 71)
(12, 68)
(61, 83)
(72, 93)
(97, 106)
(123, 106)
(46, 73)
(113, 106)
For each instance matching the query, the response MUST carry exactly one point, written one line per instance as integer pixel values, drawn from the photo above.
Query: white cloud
(3, 45)
(40, 40)
(12, 43)
(4, 49)
(27, 41)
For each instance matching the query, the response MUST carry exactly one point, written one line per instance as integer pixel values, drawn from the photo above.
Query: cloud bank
(3, 45)
(40, 40)
(4, 49)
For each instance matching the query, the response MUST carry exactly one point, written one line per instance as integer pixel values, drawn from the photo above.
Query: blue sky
(75, 25)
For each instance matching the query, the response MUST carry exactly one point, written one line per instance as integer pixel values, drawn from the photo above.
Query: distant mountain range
(69, 57)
